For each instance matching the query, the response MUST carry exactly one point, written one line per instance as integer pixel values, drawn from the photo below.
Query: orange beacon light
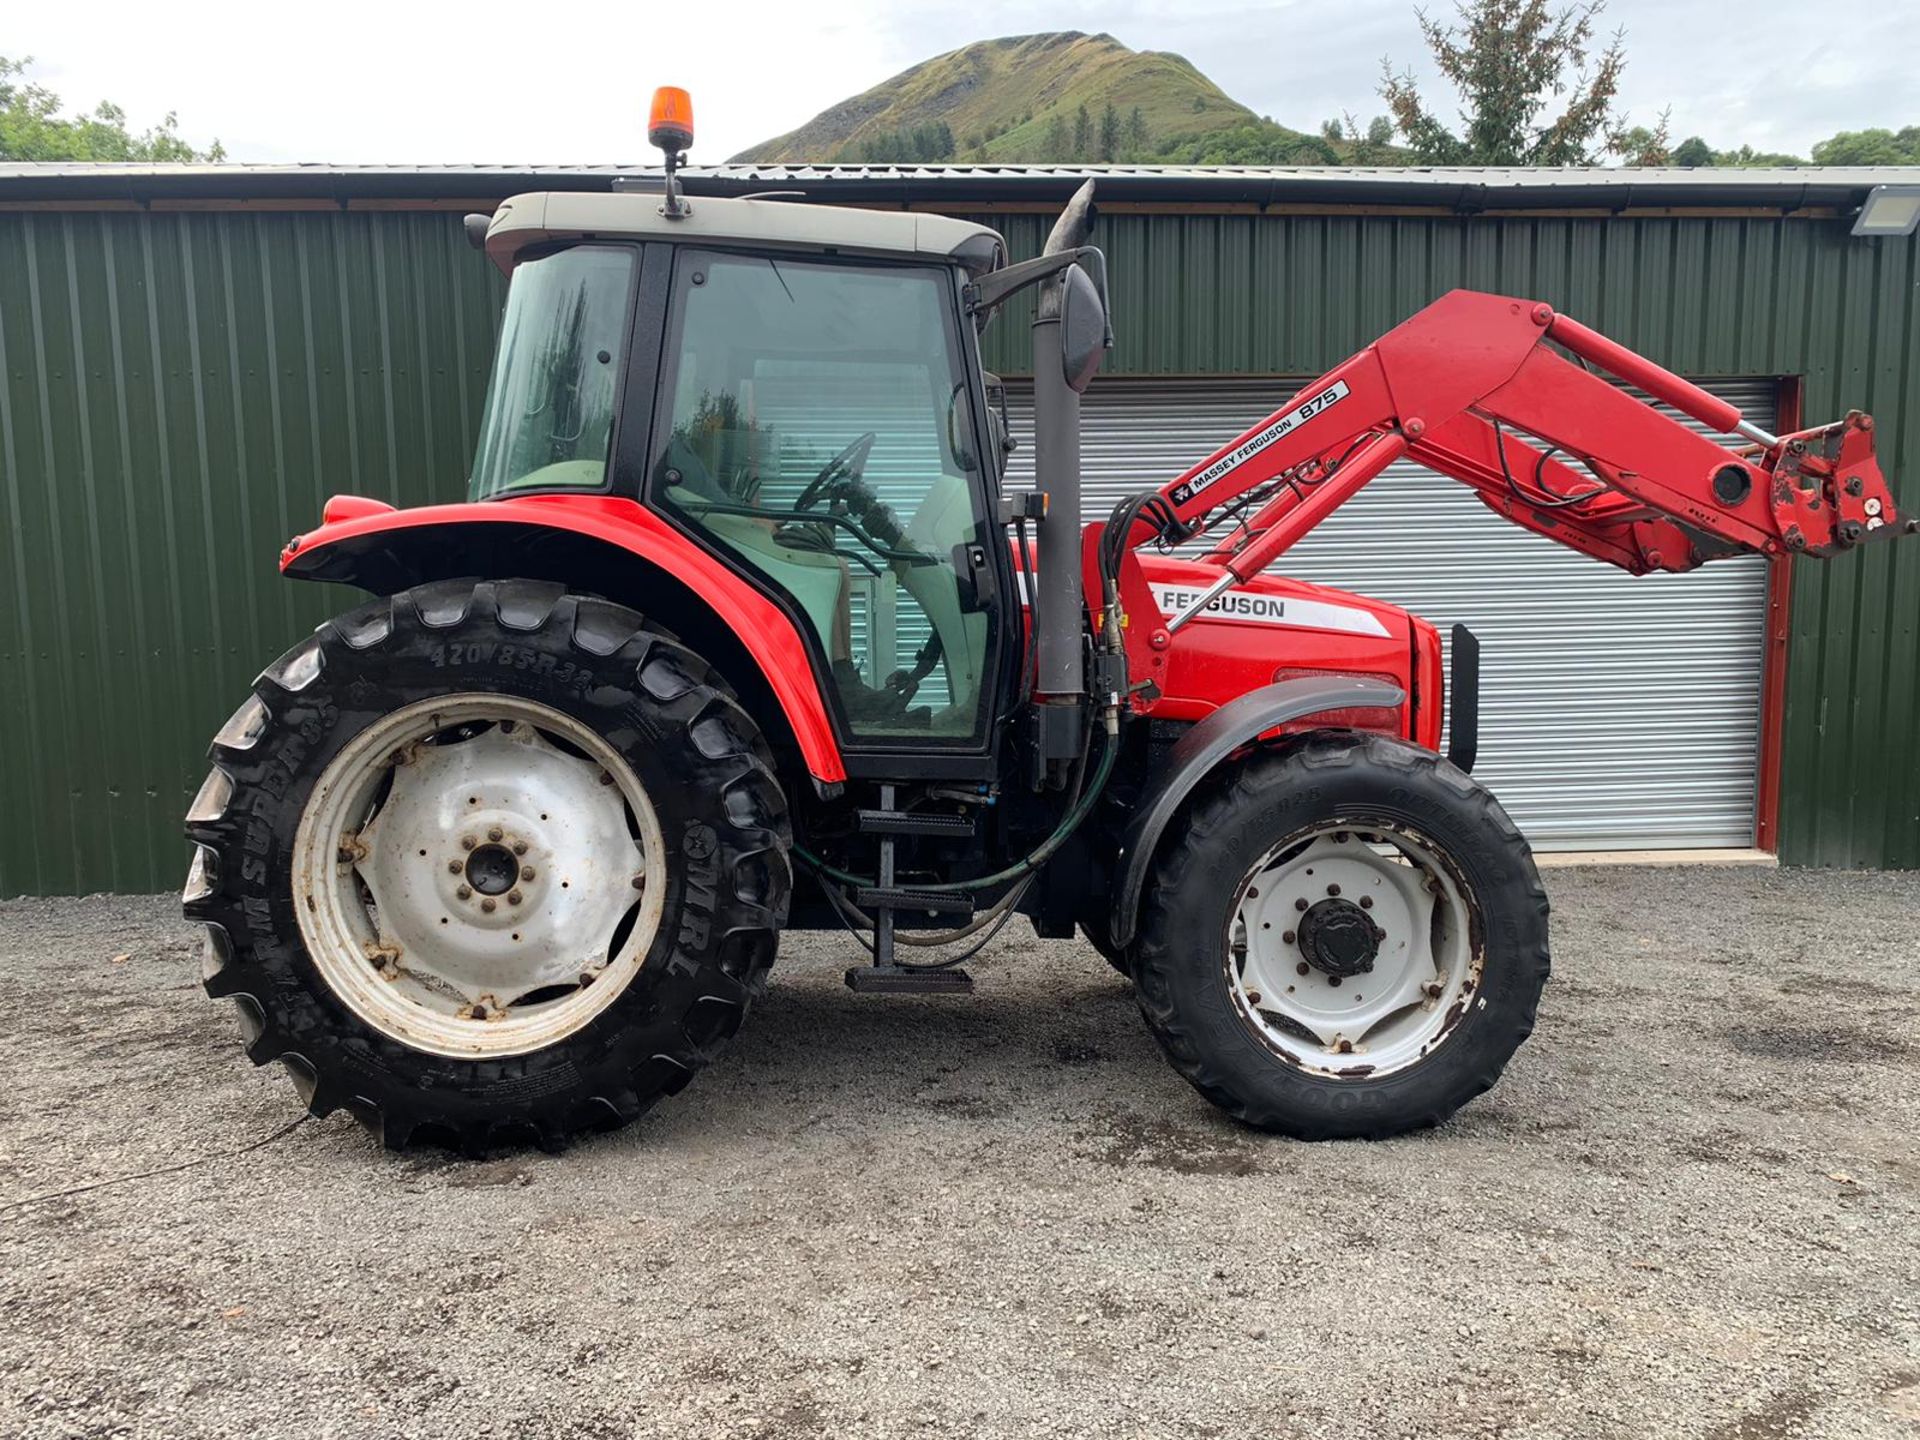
(670, 122)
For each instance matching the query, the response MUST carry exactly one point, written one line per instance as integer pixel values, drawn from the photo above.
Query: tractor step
(903, 980)
(897, 898)
(905, 822)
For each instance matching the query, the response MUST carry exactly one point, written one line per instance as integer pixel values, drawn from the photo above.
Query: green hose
(1082, 808)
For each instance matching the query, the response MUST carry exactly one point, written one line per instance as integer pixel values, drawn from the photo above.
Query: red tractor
(738, 631)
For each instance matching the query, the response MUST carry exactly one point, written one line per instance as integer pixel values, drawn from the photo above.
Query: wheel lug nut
(495, 833)
(1333, 889)
(488, 905)
(1300, 904)
(1333, 980)
(1301, 968)
(1366, 902)
(526, 872)
(513, 897)
(519, 847)
(453, 867)
(1286, 937)
(467, 842)
(464, 892)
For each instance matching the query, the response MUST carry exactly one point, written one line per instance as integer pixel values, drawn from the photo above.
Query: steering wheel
(840, 479)
(844, 468)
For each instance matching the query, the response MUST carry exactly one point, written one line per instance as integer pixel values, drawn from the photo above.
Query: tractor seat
(817, 580)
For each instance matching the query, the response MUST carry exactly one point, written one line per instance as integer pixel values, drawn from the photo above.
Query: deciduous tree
(32, 127)
(1870, 147)
(1693, 152)
(1513, 62)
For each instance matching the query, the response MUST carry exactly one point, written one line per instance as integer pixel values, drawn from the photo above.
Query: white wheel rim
(478, 875)
(1301, 992)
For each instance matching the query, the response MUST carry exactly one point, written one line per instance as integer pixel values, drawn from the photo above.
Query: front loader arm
(1472, 388)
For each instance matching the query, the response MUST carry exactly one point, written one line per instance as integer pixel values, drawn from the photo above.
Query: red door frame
(1773, 671)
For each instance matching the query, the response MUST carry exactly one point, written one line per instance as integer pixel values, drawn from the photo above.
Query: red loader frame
(1472, 387)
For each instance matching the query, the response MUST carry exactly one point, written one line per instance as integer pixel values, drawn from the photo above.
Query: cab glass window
(548, 421)
(818, 427)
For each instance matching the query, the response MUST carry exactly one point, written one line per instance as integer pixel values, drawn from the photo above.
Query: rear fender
(604, 545)
(1201, 751)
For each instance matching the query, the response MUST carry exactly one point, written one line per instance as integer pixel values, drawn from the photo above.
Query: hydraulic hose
(929, 939)
(1109, 752)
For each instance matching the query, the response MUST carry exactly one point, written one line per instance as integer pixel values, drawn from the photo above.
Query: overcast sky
(399, 83)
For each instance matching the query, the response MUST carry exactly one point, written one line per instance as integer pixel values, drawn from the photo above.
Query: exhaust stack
(1059, 632)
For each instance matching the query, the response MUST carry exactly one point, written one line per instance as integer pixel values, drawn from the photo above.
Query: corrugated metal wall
(178, 395)
(181, 390)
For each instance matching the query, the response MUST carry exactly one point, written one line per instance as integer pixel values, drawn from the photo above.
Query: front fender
(1196, 754)
(382, 550)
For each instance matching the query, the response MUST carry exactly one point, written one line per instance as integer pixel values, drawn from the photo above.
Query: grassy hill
(1018, 99)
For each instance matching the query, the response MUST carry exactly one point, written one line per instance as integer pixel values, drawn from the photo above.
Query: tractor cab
(797, 390)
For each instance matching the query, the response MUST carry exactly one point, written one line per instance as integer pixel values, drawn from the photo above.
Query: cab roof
(524, 221)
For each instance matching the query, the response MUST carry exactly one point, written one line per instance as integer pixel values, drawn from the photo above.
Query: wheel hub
(476, 868)
(1338, 938)
(1349, 948)
(492, 869)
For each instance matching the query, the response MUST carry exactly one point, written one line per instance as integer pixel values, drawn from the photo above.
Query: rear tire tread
(752, 890)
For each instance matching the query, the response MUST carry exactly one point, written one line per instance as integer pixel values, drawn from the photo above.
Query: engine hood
(1272, 601)
(1273, 628)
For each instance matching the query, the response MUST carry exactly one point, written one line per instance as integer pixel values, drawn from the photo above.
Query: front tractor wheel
(1346, 938)
(489, 861)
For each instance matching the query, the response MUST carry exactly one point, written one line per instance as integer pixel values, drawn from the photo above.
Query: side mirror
(1083, 329)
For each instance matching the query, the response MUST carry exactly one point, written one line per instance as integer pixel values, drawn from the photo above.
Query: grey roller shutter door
(1616, 712)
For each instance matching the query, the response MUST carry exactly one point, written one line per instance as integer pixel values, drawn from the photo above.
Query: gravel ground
(1692, 1207)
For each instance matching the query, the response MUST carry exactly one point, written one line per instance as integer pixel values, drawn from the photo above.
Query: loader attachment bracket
(1828, 494)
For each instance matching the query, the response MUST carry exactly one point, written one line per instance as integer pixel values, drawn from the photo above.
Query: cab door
(817, 427)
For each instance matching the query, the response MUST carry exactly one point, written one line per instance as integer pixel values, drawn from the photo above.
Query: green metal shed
(193, 358)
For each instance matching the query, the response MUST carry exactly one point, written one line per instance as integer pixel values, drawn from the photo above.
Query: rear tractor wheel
(1345, 938)
(488, 861)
